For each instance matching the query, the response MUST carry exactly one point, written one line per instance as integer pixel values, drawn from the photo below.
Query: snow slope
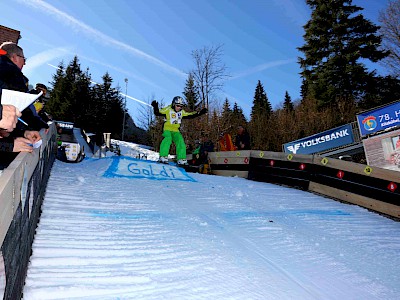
(106, 235)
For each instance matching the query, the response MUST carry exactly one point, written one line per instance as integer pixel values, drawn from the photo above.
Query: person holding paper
(9, 114)
(14, 138)
(11, 64)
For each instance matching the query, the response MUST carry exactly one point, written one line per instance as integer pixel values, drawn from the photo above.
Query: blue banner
(339, 136)
(128, 167)
(379, 119)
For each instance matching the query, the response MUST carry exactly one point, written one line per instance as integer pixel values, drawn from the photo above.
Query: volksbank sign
(329, 139)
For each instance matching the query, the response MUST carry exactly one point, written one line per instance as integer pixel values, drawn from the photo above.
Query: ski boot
(163, 160)
(182, 162)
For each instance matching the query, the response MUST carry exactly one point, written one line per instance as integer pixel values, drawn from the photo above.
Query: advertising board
(379, 119)
(336, 137)
(383, 150)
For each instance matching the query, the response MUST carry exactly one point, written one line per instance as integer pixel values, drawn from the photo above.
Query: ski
(188, 168)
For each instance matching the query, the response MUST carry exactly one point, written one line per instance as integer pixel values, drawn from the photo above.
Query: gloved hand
(202, 111)
(154, 103)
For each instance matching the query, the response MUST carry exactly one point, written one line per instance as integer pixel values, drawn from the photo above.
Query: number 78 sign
(378, 119)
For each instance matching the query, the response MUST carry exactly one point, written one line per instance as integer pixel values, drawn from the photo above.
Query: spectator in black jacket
(11, 77)
(242, 141)
(8, 113)
(41, 102)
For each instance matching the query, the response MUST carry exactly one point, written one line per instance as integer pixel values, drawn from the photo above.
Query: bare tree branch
(390, 31)
(209, 73)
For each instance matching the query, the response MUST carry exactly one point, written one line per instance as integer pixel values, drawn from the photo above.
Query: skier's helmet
(177, 101)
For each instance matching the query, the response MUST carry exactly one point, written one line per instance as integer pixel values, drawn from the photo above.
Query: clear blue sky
(150, 42)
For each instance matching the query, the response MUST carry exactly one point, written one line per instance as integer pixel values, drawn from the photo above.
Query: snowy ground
(197, 236)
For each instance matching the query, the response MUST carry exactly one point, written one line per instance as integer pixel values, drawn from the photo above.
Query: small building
(9, 35)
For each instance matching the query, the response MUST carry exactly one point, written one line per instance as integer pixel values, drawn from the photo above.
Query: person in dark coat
(41, 102)
(11, 76)
(242, 141)
(12, 60)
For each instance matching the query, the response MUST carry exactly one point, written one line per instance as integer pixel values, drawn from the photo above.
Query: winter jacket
(174, 119)
(243, 139)
(12, 78)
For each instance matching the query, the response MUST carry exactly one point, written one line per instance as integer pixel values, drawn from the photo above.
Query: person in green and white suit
(174, 114)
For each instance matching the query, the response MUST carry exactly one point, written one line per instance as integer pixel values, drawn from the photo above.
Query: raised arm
(154, 103)
(196, 114)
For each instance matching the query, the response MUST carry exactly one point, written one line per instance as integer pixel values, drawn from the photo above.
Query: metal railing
(22, 187)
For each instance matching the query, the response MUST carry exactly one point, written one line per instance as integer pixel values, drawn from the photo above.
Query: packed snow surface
(102, 236)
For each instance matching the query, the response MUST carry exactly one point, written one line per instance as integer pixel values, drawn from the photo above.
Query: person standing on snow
(174, 114)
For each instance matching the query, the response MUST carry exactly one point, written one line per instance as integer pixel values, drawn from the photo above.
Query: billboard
(383, 150)
(379, 119)
(337, 137)
(65, 127)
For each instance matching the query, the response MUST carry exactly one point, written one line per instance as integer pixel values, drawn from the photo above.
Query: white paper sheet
(19, 99)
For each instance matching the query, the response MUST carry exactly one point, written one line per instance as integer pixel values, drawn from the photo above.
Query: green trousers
(177, 138)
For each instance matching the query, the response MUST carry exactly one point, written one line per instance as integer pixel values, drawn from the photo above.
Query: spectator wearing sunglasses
(11, 64)
(21, 138)
(11, 75)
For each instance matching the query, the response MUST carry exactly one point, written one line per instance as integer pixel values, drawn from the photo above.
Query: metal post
(123, 122)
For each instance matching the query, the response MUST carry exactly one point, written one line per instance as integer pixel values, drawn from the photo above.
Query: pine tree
(260, 119)
(335, 42)
(193, 129)
(80, 91)
(57, 106)
(95, 108)
(238, 116)
(261, 104)
(108, 106)
(191, 93)
(215, 127)
(288, 104)
(71, 93)
(380, 90)
(226, 117)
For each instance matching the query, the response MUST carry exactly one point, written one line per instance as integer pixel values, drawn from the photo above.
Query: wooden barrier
(282, 168)
(371, 187)
(22, 188)
(230, 163)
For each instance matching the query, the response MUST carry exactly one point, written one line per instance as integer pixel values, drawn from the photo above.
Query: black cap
(41, 85)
